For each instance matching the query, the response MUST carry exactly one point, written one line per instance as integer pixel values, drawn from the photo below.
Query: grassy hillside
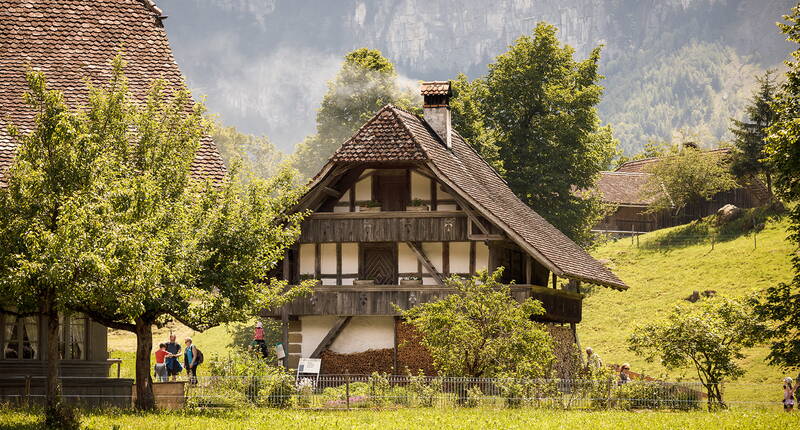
(666, 267)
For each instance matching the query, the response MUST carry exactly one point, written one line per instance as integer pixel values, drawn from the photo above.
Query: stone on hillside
(728, 213)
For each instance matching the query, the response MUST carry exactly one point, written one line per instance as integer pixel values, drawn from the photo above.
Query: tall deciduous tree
(686, 176)
(708, 336)
(780, 305)
(44, 251)
(539, 106)
(749, 157)
(141, 239)
(482, 331)
(366, 82)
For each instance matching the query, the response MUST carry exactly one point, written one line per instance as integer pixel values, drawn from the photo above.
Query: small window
(20, 337)
(72, 334)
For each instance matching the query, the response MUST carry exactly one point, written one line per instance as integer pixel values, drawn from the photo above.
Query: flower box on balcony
(363, 282)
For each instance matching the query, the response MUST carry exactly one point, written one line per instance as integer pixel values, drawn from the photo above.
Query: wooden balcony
(345, 300)
(384, 227)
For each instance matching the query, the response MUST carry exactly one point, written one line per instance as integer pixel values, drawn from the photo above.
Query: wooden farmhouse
(400, 206)
(72, 41)
(623, 188)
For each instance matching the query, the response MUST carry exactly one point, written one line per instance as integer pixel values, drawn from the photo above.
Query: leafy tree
(256, 155)
(139, 238)
(482, 331)
(780, 305)
(538, 105)
(44, 250)
(366, 82)
(652, 149)
(684, 177)
(467, 117)
(750, 135)
(708, 335)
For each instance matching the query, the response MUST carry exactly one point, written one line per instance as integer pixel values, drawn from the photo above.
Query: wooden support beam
(285, 336)
(333, 333)
(426, 263)
(332, 192)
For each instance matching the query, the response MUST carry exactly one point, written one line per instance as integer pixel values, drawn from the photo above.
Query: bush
(246, 377)
(655, 395)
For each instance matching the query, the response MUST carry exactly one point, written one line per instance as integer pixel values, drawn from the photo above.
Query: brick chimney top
(436, 108)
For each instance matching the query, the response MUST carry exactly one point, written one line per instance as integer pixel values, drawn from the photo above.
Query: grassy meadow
(665, 268)
(251, 419)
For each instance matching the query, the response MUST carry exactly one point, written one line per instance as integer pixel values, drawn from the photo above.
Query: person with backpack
(192, 358)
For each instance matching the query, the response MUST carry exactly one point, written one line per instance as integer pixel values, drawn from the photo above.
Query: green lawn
(662, 276)
(419, 419)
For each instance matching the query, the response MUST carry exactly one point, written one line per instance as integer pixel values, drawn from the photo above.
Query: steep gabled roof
(382, 138)
(75, 40)
(464, 171)
(623, 188)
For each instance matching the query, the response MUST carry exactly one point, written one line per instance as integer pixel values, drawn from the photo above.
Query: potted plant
(370, 206)
(417, 205)
(363, 282)
(411, 281)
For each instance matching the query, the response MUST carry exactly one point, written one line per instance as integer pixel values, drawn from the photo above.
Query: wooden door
(378, 263)
(391, 189)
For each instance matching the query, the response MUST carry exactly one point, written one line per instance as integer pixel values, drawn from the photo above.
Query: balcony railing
(560, 306)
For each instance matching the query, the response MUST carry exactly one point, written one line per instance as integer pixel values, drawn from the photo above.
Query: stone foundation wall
(568, 359)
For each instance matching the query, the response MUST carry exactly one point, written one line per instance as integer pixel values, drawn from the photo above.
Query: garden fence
(388, 391)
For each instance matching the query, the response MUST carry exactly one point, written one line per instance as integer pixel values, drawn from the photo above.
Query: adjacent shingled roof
(480, 185)
(72, 40)
(435, 88)
(623, 188)
(641, 166)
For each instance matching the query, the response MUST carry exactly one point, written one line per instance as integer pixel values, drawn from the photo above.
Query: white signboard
(309, 365)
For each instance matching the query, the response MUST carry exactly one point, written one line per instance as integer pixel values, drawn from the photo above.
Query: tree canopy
(366, 82)
(140, 238)
(482, 331)
(536, 108)
(780, 305)
(708, 336)
(255, 156)
(682, 177)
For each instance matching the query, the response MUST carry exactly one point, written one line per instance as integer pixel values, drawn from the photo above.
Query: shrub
(61, 416)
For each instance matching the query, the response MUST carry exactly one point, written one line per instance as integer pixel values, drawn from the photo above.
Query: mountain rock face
(671, 65)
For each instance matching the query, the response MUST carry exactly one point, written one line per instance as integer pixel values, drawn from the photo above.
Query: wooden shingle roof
(74, 40)
(465, 172)
(623, 188)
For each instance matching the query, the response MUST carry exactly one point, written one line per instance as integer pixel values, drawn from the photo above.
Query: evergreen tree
(750, 135)
(366, 82)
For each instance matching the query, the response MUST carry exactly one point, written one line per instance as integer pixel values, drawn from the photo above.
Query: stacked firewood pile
(410, 352)
(568, 359)
(359, 363)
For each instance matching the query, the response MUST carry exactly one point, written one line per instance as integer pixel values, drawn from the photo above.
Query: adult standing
(192, 358)
(593, 360)
(258, 339)
(173, 364)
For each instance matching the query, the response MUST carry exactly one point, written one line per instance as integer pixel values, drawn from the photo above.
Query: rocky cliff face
(263, 63)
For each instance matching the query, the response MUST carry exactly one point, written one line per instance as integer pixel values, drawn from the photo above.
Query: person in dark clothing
(173, 363)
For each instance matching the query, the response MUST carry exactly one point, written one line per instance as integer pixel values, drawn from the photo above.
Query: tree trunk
(53, 355)
(144, 383)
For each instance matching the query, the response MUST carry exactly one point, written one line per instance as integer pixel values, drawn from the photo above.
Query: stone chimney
(436, 109)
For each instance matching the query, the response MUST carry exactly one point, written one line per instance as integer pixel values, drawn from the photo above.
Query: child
(258, 339)
(161, 366)
(788, 394)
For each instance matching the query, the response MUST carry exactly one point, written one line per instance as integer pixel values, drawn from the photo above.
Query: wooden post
(27, 393)
(347, 388)
(285, 338)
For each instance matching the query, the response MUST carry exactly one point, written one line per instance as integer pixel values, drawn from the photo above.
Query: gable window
(20, 337)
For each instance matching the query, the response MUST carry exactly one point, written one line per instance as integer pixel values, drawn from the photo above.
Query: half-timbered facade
(402, 205)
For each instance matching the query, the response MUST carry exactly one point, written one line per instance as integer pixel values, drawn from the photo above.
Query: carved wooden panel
(379, 263)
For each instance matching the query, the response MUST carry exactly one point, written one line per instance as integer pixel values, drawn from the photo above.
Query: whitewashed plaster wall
(361, 334)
